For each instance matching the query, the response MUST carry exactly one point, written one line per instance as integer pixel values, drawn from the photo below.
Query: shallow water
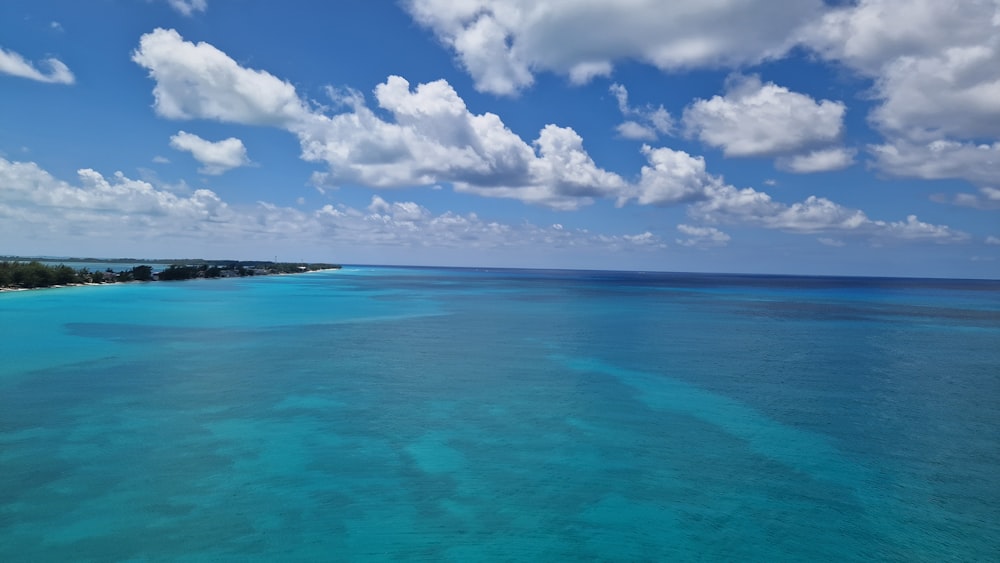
(440, 414)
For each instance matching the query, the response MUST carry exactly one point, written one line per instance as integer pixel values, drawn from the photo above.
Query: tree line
(29, 275)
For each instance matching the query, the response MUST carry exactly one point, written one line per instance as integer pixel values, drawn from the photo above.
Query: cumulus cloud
(196, 80)
(502, 43)
(977, 163)
(821, 160)
(953, 94)
(425, 135)
(642, 123)
(671, 177)
(188, 7)
(429, 138)
(814, 215)
(702, 236)
(987, 198)
(14, 64)
(30, 195)
(935, 75)
(676, 177)
(433, 138)
(97, 205)
(216, 157)
(757, 119)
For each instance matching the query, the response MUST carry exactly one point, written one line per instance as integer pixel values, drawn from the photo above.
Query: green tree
(32, 274)
(63, 275)
(142, 273)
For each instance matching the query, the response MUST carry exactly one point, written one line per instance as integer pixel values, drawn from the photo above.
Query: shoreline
(8, 289)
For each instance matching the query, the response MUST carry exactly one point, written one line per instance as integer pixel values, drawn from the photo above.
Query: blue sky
(853, 138)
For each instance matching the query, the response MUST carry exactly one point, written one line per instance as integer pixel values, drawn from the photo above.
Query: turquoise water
(437, 414)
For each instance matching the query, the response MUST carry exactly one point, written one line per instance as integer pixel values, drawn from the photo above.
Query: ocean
(377, 414)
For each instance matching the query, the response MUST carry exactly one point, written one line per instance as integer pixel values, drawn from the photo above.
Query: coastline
(19, 274)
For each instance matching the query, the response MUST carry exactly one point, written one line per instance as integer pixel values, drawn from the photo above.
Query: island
(31, 273)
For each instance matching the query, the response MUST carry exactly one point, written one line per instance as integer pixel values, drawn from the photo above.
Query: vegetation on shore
(16, 274)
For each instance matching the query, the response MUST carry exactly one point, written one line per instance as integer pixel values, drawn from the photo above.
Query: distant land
(17, 273)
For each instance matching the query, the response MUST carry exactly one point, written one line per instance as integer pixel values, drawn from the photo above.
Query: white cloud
(14, 64)
(671, 177)
(216, 157)
(161, 159)
(993, 240)
(188, 7)
(977, 163)
(30, 197)
(757, 119)
(646, 123)
(99, 206)
(425, 135)
(869, 34)
(200, 81)
(812, 216)
(635, 131)
(502, 43)
(702, 236)
(987, 198)
(433, 138)
(836, 243)
(430, 138)
(55, 26)
(821, 160)
(955, 94)
(935, 72)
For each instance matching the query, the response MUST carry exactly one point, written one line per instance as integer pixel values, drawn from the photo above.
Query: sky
(748, 136)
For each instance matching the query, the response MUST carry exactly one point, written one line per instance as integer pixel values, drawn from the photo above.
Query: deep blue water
(449, 414)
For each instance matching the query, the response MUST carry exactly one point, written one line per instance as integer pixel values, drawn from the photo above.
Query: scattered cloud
(188, 7)
(993, 240)
(216, 157)
(161, 159)
(977, 163)
(757, 119)
(431, 138)
(14, 64)
(98, 205)
(425, 135)
(822, 160)
(702, 236)
(814, 215)
(954, 94)
(56, 26)
(932, 61)
(29, 196)
(933, 65)
(987, 198)
(836, 243)
(642, 124)
(503, 43)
